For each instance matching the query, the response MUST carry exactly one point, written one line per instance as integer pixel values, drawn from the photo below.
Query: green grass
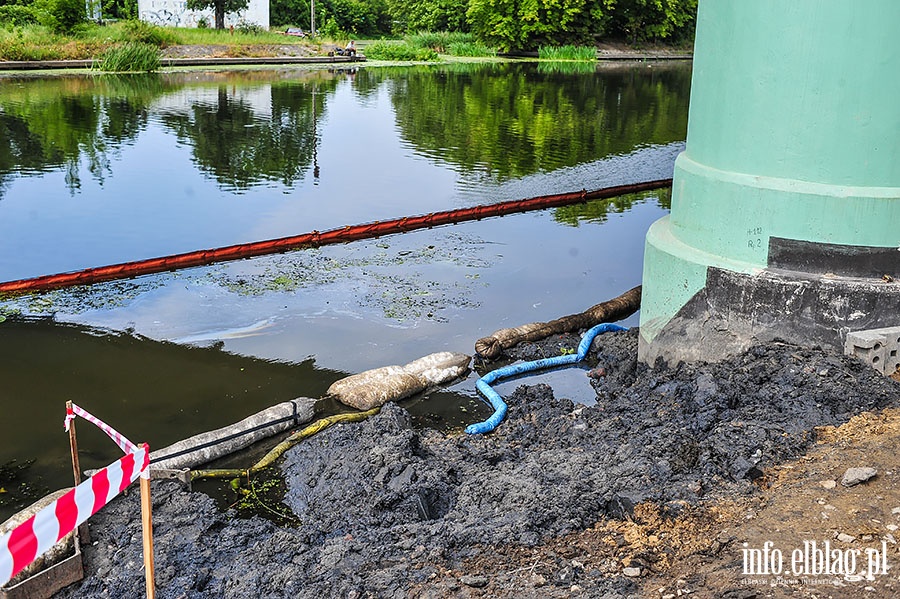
(130, 56)
(439, 41)
(586, 53)
(88, 40)
(36, 42)
(403, 51)
(471, 49)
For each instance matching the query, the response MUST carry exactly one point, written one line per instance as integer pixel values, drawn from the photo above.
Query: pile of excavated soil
(649, 492)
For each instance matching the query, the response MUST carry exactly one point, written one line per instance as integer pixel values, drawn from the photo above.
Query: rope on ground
(617, 308)
(277, 451)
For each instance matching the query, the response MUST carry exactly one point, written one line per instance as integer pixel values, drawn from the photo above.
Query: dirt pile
(562, 499)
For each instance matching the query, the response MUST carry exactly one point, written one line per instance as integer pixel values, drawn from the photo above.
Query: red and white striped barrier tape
(35, 536)
(124, 444)
(38, 534)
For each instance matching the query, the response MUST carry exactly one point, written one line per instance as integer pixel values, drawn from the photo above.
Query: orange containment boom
(316, 239)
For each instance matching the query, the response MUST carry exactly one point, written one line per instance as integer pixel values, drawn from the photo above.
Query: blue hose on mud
(484, 383)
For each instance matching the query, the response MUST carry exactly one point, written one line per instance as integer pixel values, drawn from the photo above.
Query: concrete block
(878, 347)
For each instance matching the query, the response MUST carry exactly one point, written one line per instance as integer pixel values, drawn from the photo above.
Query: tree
(120, 9)
(440, 15)
(220, 7)
(645, 20)
(61, 15)
(358, 17)
(527, 24)
(290, 12)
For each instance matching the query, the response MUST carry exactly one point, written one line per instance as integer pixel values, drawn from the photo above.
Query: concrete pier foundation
(785, 219)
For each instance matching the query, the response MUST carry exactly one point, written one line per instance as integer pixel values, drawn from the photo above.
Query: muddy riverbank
(650, 492)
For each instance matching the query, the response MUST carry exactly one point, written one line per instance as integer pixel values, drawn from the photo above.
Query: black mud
(384, 508)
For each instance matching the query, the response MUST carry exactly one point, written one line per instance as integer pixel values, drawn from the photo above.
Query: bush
(60, 16)
(439, 41)
(403, 51)
(14, 15)
(145, 33)
(470, 49)
(331, 30)
(567, 53)
(249, 28)
(130, 56)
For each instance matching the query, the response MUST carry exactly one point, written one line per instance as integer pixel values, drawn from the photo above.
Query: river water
(97, 170)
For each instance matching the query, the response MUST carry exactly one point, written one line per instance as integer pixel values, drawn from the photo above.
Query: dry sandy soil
(699, 552)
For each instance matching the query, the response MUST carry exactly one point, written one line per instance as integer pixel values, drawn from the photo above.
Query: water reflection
(500, 120)
(243, 139)
(508, 121)
(99, 170)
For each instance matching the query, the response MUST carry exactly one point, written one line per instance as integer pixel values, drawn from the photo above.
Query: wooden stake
(76, 470)
(147, 528)
(73, 446)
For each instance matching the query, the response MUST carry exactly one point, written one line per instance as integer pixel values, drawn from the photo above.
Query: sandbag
(374, 388)
(211, 445)
(615, 309)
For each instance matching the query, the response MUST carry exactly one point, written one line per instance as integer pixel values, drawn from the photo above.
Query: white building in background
(174, 13)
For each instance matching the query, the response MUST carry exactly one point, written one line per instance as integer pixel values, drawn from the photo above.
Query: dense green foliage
(291, 13)
(644, 20)
(335, 19)
(506, 25)
(61, 16)
(437, 15)
(131, 56)
(16, 16)
(511, 25)
(120, 9)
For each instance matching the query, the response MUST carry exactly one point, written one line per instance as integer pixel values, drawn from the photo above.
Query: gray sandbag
(211, 445)
(373, 388)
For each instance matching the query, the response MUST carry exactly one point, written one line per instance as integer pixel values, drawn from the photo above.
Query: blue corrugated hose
(484, 383)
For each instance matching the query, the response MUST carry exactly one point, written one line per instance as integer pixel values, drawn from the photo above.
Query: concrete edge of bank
(35, 65)
(39, 65)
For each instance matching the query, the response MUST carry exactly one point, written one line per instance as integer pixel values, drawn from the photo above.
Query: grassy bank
(36, 42)
(117, 40)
